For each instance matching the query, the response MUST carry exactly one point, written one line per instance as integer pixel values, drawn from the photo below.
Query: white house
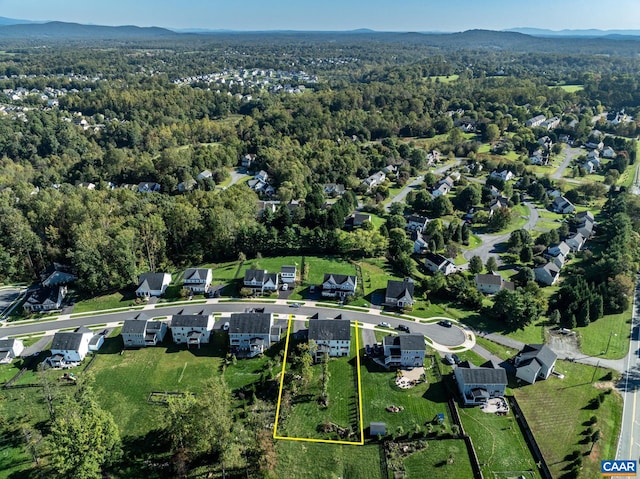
(535, 121)
(608, 152)
(492, 283)
(479, 384)
(198, 280)
(562, 205)
(142, 331)
(404, 350)
(332, 337)
(547, 274)
(504, 175)
(375, 179)
(535, 361)
(288, 274)
(70, 347)
(250, 334)
(417, 223)
(420, 244)
(399, 293)
(260, 280)
(442, 189)
(192, 329)
(152, 284)
(10, 349)
(340, 285)
(561, 249)
(436, 262)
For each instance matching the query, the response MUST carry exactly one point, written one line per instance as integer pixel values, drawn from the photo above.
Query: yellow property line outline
(309, 439)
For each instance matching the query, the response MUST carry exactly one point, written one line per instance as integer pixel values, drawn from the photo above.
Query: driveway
(7, 298)
(569, 155)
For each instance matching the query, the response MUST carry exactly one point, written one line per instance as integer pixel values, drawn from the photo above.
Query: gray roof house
(250, 334)
(45, 299)
(478, 384)
(142, 331)
(57, 274)
(547, 274)
(339, 285)
(192, 329)
(152, 284)
(70, 347)
(492, 283)
(399, 293)
(403, 350)
(535, 361)
(10, 349)
(288, 273)
(332, 336)
(198, 280)
(435, 262)
(562, 205)
(260, 280)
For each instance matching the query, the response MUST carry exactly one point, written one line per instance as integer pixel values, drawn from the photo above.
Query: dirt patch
(564, 345)
(604, 385)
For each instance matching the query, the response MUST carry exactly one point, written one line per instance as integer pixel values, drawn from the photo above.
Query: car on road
(295, 305)
(449, 359)
(404, 328)
(446, 323)
(384, 324)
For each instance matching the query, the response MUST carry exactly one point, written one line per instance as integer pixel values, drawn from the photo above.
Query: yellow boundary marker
(310, 439)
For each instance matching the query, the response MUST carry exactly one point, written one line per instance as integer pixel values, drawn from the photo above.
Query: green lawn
(304, 460)
(571, 88)
(492, 436)
(376, 272)
(306, 415)
(444, 78)
(107, 301)
(558, 424)
(609, 335)
(432, 461)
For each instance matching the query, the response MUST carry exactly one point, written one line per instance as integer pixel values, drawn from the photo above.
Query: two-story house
(535, 361)
(198, 280)
(478, 384)
(250, 334)
(10, 349)
(492, 283)
(435, 262)
(399, 293)
(141, 331)
(288, 274)
(70, 347)
(192, 329)
(404, 350)
(332, 337)
(417, 223)
(260, 280)
(152, 284)
(339, 285)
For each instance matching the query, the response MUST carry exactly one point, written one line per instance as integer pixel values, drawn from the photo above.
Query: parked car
(225, 326)
(456, 358)
(367, 349)
(285, 287)
(446, 323)
(384, 324)
(294, 305)
(404, 328)
(449, 359)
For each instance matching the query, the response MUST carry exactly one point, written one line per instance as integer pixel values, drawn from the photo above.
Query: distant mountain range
(542, 32)
(75, 31)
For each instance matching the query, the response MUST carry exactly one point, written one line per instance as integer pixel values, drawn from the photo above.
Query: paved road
(8, 297)
(629, 442)
(569, 155)
(635, 187)
(449, 337)
(490, 242)
(236, 175)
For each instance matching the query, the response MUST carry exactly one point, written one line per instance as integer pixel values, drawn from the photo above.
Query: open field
(558, 424)
(608, 337)
(571, 88)
(432, 461)
(444, 78)
(492, 436)
(107, 301)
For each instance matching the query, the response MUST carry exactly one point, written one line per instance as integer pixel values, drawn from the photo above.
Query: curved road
(569, 155)
(447, 337)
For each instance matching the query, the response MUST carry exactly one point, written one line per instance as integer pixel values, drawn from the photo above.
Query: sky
(381, 15)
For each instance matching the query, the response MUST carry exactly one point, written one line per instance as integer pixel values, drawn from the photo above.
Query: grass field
(608, 337)
(107, 301)
(558, 424)
(376, 272)
(306, 415)
(571, 88)
(304, 460)
(432, 461)
(492, 436)
(444, 78)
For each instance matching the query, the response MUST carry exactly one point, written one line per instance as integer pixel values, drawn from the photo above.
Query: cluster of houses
(541, 121)
(248, 78)
(581, 230)
(445, 185)
(261, 184)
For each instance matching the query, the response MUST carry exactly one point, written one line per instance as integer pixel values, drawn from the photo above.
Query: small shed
(378, 429)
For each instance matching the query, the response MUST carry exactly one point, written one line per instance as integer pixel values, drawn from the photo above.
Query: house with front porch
(69, 347)
(492, 283)
(10, 349)
(260, 280)
(141, 331)
(403, 350)
(435, 262)
(332, 337)
(45, 299)
(197, 280)
(250, 334)
(478, 384)
(339, 285)
(399, 293)
(152, 284)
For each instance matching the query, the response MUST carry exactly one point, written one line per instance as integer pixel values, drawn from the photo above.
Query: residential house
(535, 121)
(433, 157)
(57, 274)
(339, 285)
(390, 169)
(152, 284)
(261, 176)
(187, 185)
(561, 249)
(141, 331)
(535, 361)
(593, 155)
(403, 350)
(447, 180)
(70, 347)
(591, 166)
(440, 190)
(288, 274)
(576, 241)
(375, 179)
(192, 329)
(551, 123)
(492, 283)
(584, 224)
(332, 337)
(260, 280)
(539, 158)
(420, 245)
(478, 384)
(504, 175)
(10, 349)
(436, 262)
(358, 218)
(609, 153)
(417, 223)
(251, 334)
(594, 144)
(45, 299)
(562, 205)
(545, 142)
(198, 280)
(399, 293)
(547, 274)
(204, 174)
(148, 187)
(247, 160)
(333, 189)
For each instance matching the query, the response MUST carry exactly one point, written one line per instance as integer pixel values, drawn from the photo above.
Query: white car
(225, 326)
(384, 324)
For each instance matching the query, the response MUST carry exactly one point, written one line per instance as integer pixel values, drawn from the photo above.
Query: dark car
(404, 328)
(367, 349)
(446, 323)
(456, 358)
